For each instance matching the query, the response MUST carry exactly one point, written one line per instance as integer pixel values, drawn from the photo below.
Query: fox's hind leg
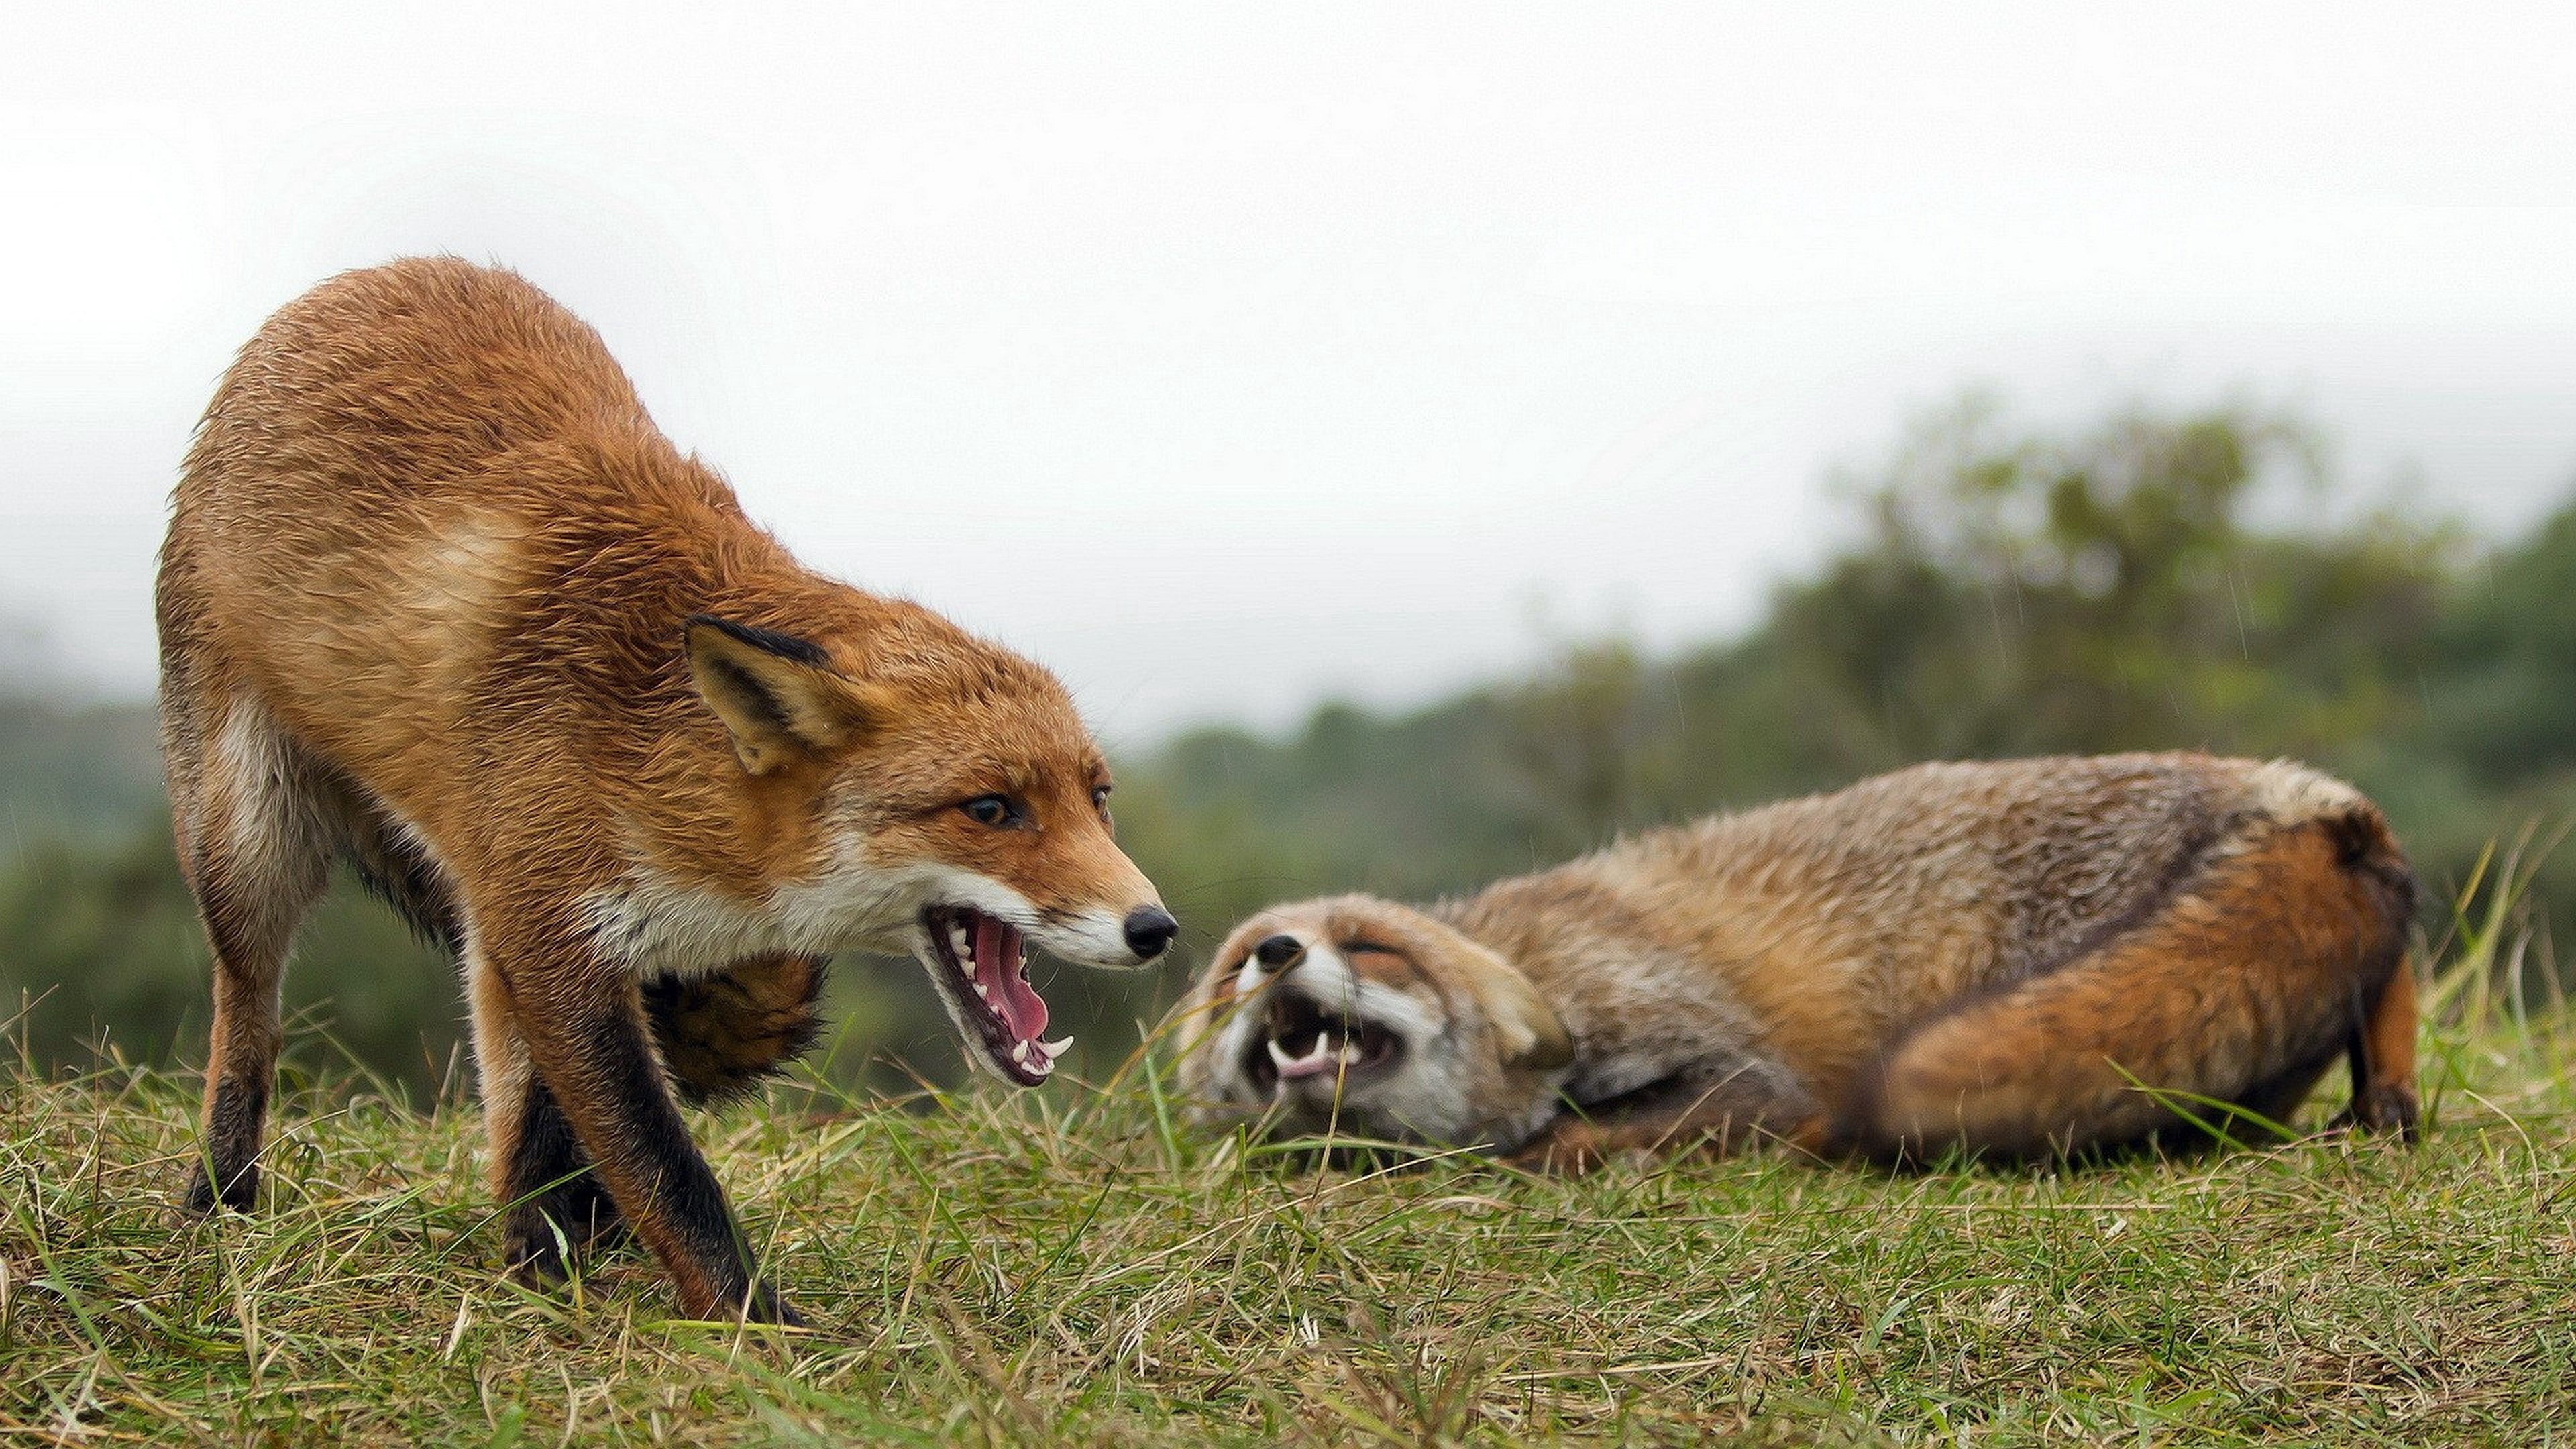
(248, 807)
(2239, 993)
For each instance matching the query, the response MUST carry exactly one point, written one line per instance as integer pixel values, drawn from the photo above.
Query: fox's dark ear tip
(767, 641)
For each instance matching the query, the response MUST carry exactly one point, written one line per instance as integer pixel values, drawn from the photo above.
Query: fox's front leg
(582, 1024)
(1751, 1100)
(551, 1198)
(2383, 1060)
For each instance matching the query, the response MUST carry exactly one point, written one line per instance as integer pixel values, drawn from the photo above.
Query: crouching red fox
(2011, 960)
(439, 598)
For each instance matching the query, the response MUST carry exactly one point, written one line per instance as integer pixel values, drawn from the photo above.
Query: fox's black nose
(1149, 930)
(1279, 950)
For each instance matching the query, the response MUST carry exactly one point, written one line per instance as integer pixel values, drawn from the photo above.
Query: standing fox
(2012, 960)
(438, 597)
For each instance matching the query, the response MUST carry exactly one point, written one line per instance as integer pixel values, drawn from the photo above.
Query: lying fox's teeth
(1326, 1045)
(1055, 1048)
(1281, 1055)
(964, 946)
(981, 994)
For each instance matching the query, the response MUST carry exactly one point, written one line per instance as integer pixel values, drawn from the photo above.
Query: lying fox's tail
(722, 1035)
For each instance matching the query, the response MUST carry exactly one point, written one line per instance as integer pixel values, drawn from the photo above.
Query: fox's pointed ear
(1526, 1028)
(776, 693)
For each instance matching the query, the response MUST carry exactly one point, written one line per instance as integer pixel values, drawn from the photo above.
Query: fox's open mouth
(988, 962)
(1300, 1040)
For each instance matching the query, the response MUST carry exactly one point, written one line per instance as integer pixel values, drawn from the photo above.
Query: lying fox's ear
(776, 693)
(1525, 1026)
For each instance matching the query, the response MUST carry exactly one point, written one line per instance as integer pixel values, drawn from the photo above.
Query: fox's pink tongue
(997, 957)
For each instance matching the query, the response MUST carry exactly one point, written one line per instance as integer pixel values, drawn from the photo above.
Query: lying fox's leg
(2239, 991)
(2383, 1060)
(586, 1041)
(1714, 1112)
(254, 847)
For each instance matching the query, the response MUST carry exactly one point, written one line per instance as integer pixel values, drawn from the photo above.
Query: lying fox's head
(1370, 1019)
(924, 791)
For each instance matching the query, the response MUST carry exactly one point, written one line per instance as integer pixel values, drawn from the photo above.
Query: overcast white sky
(1223, 357)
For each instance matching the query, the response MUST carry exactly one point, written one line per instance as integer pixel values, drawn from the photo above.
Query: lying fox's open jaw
(982, 965)
(1301, 1042)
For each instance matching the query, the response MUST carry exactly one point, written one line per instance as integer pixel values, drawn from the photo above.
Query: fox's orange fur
(2014, 959)
(437, 595)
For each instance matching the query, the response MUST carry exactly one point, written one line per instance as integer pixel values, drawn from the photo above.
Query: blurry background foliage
(2159, 581)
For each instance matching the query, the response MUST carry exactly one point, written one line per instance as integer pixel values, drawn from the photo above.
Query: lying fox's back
(1833, 919)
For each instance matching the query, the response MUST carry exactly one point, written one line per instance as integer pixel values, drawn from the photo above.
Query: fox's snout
(1116, 918)
(1107, 939)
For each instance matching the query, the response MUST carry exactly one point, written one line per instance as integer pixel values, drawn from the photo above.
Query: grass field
(1067, 1267)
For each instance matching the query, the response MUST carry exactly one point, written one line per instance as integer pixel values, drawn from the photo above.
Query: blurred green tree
(2161, 580)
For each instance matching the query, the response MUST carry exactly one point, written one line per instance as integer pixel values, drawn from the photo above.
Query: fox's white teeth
(1020, 1054)
(1279, 1055)
(1056, 1048)
(981, 993)
(964, 946)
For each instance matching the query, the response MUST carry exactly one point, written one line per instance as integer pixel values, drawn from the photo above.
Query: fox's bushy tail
(2285, 946)
(722, 1035)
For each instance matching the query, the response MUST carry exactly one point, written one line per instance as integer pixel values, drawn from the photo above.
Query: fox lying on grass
(2010, 960)
(439, 598)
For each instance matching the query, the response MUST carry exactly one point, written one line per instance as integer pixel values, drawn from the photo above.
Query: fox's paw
(1567, 1150)
(579, 1215)
(2382, 1107)
(766, 1306)
(240, 1194)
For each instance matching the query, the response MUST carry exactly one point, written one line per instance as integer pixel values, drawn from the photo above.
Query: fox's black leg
(2383, 1060)
(557, 1200)
(584, 1030)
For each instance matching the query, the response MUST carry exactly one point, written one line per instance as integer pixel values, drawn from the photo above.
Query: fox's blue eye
(988, 810)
